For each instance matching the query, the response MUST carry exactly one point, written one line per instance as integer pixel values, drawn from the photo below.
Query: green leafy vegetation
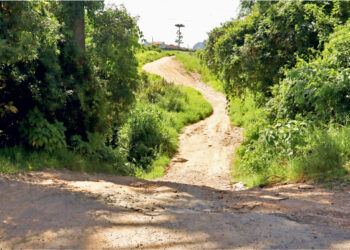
(73, 95)
(252, 51)
(285, 68)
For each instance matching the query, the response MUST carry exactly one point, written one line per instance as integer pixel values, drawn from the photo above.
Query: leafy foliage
(144, 136)
(252, 52)
(319, 89)
(107, 116)
(58, 95)
(314, 92)
(40, 133)
(44, 69)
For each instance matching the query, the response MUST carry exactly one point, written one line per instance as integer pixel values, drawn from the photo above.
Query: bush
(41, 134)
(318, 90)
(144, 136)
(293, 151)
(252, 52)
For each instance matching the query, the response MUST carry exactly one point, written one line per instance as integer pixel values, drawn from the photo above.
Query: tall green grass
(192, 63)
(18, 159)
(147, 56)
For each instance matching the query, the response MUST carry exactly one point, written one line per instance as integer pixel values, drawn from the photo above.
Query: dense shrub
(252, 52)
(293, 151)
(294, 138)
(319, 90)
(72, 96)
(144, 136)
(40, 133)
(57, 93)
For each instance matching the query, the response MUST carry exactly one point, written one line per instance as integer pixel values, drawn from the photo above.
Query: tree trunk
(78, 25)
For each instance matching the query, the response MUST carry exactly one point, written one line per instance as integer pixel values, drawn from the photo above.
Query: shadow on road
(70, 210)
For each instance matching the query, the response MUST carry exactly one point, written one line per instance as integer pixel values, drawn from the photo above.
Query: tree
(253, 52)
(29, 70)
(179, 34)
(71, 87)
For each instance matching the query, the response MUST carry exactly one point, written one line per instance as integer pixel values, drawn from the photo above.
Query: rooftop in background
(164, 46)
(158, 17)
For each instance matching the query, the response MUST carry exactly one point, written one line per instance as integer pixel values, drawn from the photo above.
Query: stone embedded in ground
(305, 186)
(180, 160)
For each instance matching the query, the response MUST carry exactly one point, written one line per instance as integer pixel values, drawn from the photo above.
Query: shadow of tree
(60, 209)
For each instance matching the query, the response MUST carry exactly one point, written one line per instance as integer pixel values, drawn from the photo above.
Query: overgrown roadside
(63, 209)
(141, 143)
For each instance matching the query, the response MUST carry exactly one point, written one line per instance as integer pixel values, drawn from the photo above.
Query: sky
(157, 18)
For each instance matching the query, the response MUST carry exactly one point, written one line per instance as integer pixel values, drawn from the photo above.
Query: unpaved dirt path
(62, 209)
(205, 148)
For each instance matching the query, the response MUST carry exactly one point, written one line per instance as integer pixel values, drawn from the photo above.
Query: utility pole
(179, 35)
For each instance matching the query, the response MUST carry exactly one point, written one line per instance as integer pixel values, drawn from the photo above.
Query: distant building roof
(158, 43)
(171, 47)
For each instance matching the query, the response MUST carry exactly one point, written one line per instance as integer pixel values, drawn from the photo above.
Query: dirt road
(206, 148)
(192, 206)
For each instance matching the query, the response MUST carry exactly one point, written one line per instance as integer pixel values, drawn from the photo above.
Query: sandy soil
(192, 206)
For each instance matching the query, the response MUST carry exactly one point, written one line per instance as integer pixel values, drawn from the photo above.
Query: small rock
(305, 186)
(276, 198)
(180, 160)
(239, 186)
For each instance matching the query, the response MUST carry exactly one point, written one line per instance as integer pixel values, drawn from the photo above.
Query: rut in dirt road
(192, 207)
(206, 148)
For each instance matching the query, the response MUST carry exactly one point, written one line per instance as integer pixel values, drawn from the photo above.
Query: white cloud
(158, 17)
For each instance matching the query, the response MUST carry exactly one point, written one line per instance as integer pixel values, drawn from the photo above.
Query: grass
(147, 56)
(245, 111)
(287, 151)
(192, 63)
(17, 160)
(157, 169)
